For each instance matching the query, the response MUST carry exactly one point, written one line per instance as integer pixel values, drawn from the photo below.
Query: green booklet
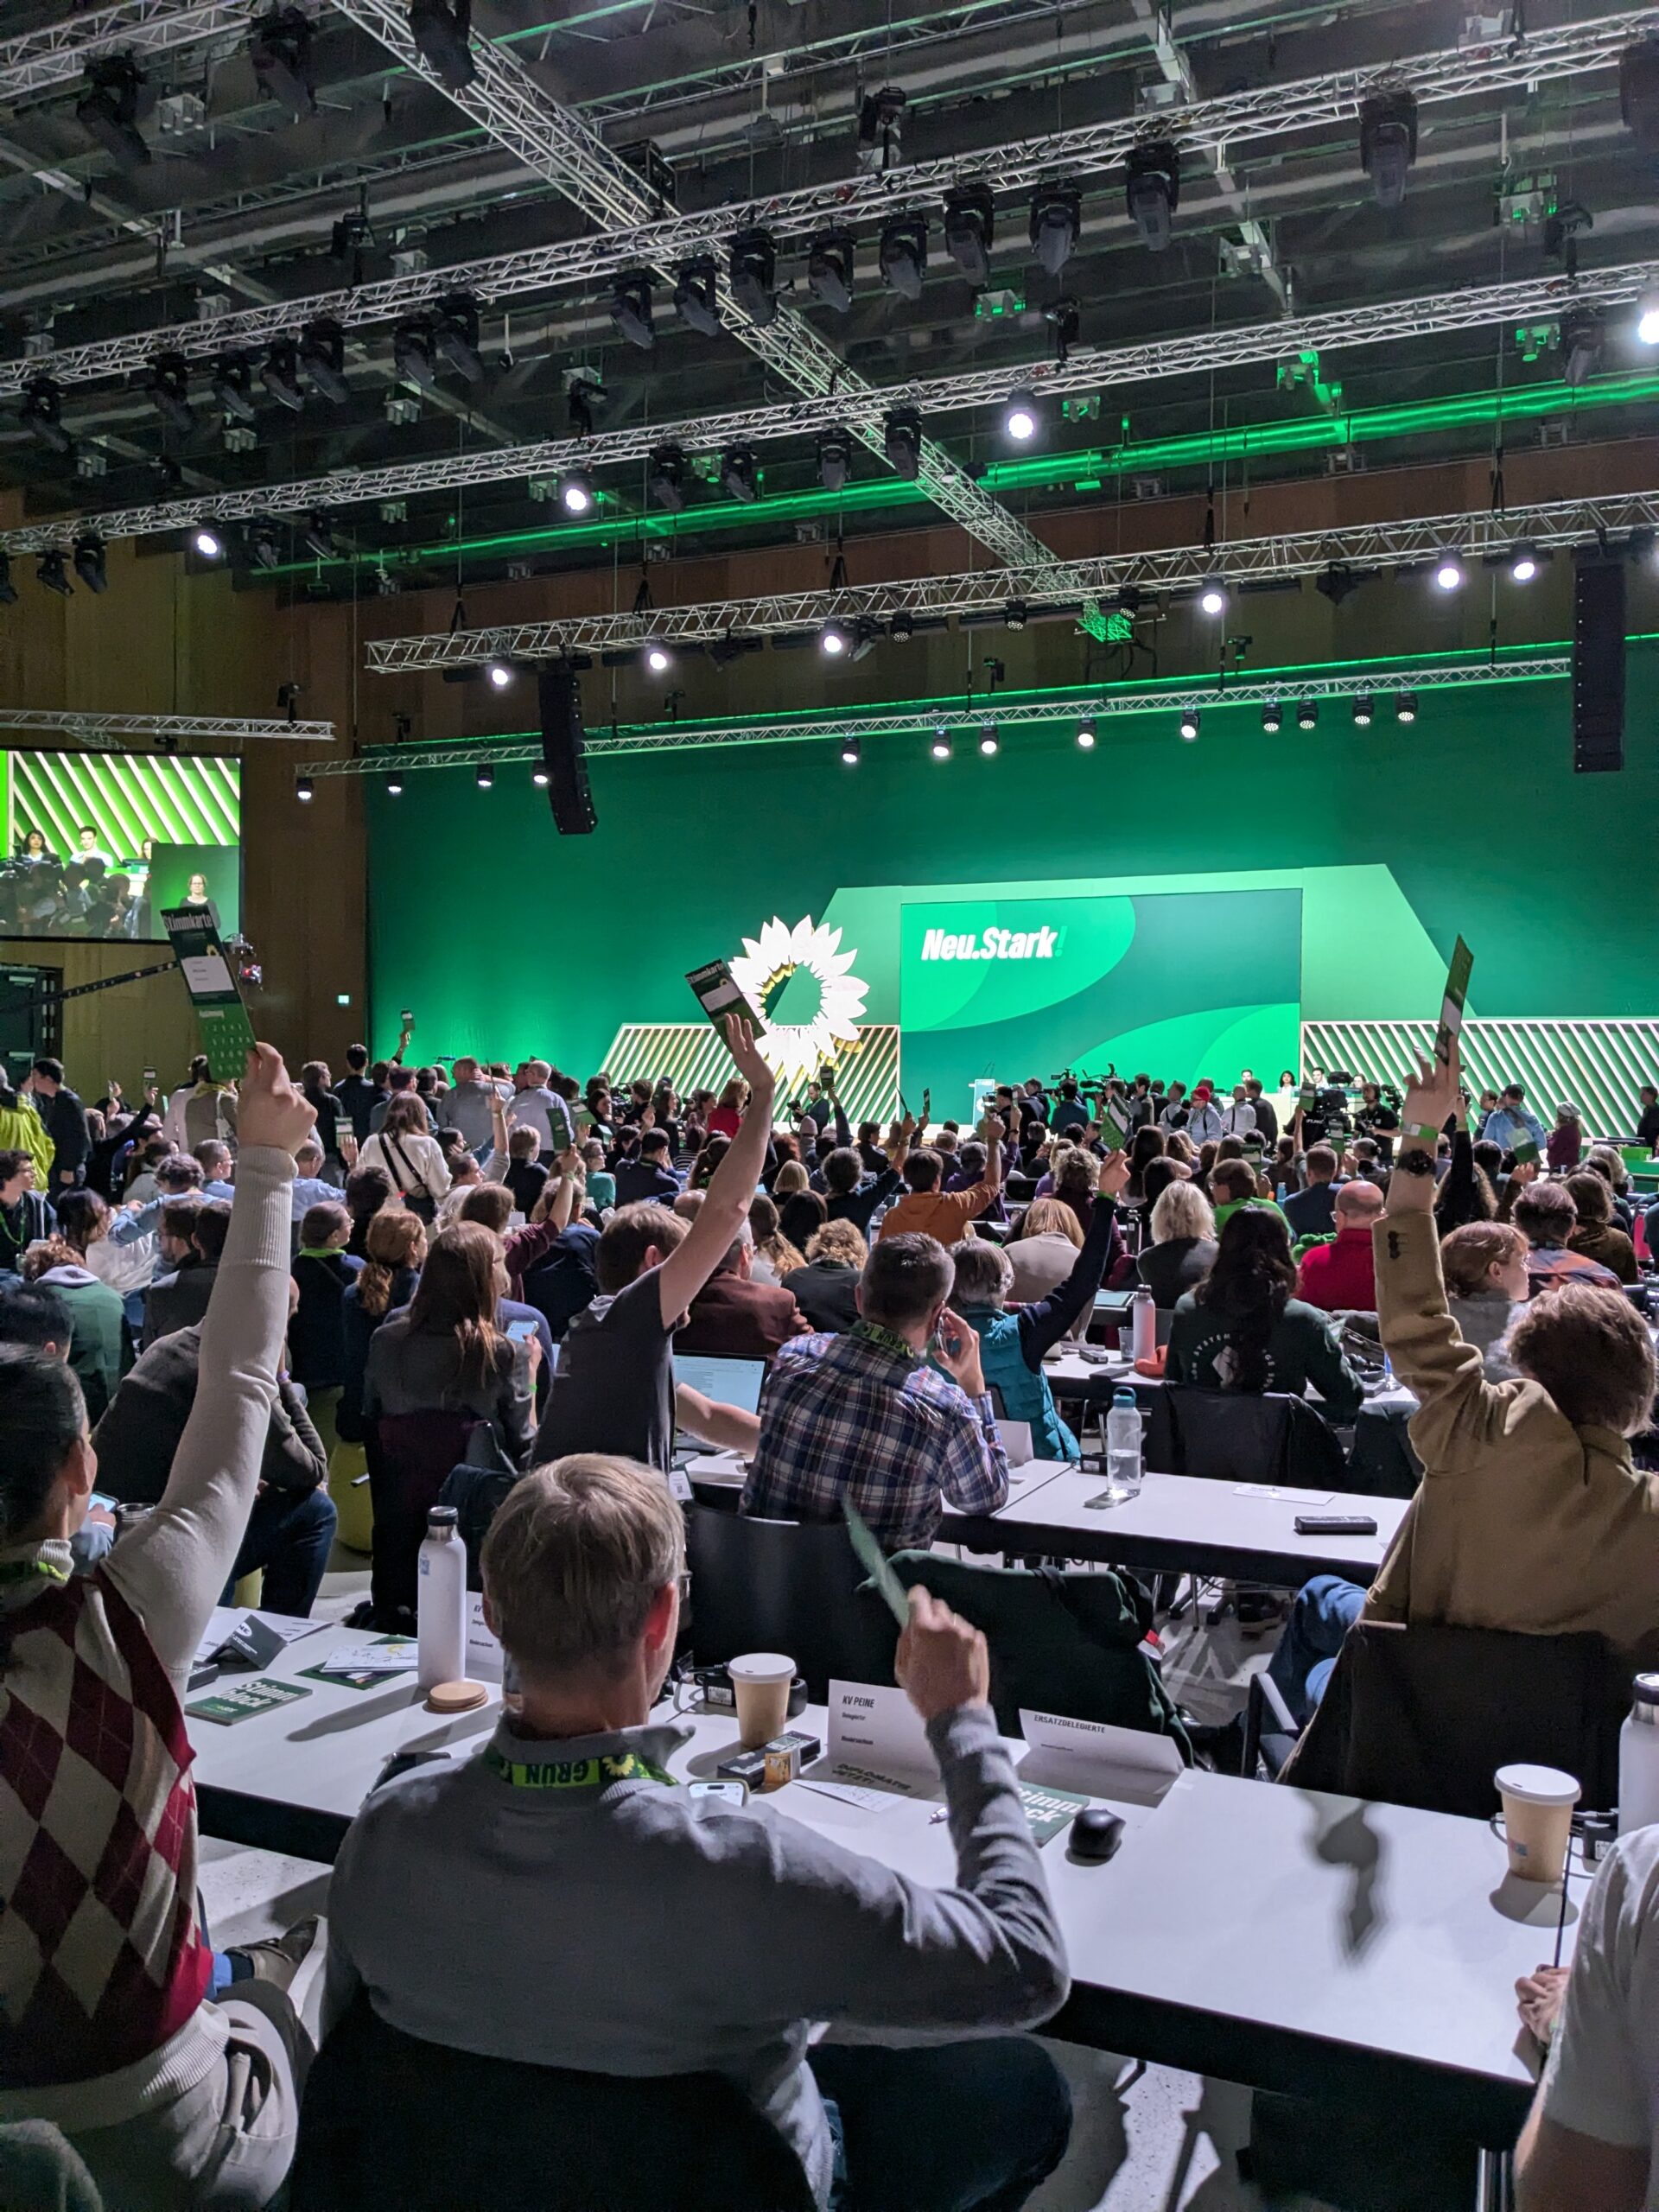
(1457, 991)
(1049, 1810)
(227, 1706)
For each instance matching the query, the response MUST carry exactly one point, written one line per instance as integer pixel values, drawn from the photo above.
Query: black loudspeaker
(1598, 664)
(562, 749)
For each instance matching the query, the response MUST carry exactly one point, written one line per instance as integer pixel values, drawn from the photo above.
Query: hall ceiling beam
(41, 60)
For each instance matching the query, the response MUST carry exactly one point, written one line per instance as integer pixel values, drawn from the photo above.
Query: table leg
(1492, 2174)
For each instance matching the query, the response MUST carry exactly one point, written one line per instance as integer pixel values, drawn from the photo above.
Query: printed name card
(1097, 1758)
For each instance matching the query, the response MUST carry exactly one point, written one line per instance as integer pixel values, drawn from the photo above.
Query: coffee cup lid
(1538, 1785)
(761, 1667)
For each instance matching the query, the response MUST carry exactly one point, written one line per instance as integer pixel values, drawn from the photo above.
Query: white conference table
(1279, 1938)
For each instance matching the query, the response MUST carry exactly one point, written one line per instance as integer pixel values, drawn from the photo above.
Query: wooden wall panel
(120, 1032)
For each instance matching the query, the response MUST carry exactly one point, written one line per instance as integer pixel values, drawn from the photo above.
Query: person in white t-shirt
(1589, 2142)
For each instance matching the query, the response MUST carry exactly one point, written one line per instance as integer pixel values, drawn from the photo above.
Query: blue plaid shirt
(843, 1416)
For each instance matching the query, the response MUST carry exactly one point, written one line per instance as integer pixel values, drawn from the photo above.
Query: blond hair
(1053, 1217)
(839, 1240)
(1181, 1210)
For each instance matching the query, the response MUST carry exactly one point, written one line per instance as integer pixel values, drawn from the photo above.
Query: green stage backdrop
(507, 938)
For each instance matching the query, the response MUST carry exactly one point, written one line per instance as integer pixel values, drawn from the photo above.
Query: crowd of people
(209, 1302)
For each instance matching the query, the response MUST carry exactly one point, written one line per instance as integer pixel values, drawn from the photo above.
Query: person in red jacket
(734, 1318)
(1341, 1277)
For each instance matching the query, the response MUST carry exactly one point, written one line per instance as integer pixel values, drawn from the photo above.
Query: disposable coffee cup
(1537, 1803)
(760, 1682)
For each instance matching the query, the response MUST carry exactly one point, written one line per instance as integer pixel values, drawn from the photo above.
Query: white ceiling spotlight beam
(644, 235)
(553, 142)
(41, 60)
(1418, 542)
(1089, 369)
(106, 730)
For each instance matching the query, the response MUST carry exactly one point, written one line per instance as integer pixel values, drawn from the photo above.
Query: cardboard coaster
(456, 1697)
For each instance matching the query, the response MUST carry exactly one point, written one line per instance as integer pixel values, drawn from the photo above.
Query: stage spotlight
(1523, 564)
(1212, 599)
(987, 738)
(232, 385)
(940, 748)
(394, 786)
(1015, 615)
(881, 118)
(91, 562)
(317, 535)
(1405, 707)
(1647, 319)
(629, 306)
(829, 268)
(970, 228)
(696, 299)
(658, 658)
(500, 674)
(1056, 223)
(1581, 346)
(455, 336)
(442, 30)
(1336, 584)
(867, 635)
(265, 548)
(1388, 143)
(851, 751)
(1449, 572)
(583, 396)
(280, 51)
(169, 392)
(1153, 192)
(1086, 733)
(485, 777)
(902, 439)
(1189, 723)
(304, 789)
(902, 628)
(322, 356)
(1273, 718)
(737, 475)
(665, 478)
(1308, 714)
(108, 110)
(1638, 92)
(207, 542)
(1020, 418)
(576, 492)
(52, 571)
(754, 272)
(1364, 712)
(834, 639)
(42, 410)
(8, 590)
(834, 458)
(413, 358)
(539, 777)
(901, 254)
(279, 372)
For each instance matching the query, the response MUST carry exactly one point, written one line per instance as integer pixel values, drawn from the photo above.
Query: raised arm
(1046, 1321)
(172, 1566)
(725, 1207)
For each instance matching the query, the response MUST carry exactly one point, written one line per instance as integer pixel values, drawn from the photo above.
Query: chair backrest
(774, 1586)
(409, 1457)
(392, 2124)
(1241, 1436)
(1425, 1714)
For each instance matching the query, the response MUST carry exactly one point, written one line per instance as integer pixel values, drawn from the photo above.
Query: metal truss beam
(1089, 369)
(986, 592)
(553, 142)
(41, 60)
(105, 730)
(637, 232)
(825, 729)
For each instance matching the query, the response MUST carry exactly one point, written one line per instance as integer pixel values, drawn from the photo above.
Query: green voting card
(1457, 991)
(227, 1706)
(873, 1561)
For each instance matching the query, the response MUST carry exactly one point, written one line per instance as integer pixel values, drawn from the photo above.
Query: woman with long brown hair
(409, 1154)
(445, 1352)
(395, 1252)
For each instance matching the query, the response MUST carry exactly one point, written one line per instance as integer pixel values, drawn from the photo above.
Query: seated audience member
(1595, 1236)
(968, 1173)
(648, 1178)
(774, 1255)
(406, 1149)
(96, 1332)
(26, 1214)
(601, 1183)
(213, 1156)
(446, 1351)
(1607, 1162)
(324, 1271)
(736, 1317)
(615, 1388)
(1546, 1216)
(120, 1249)
(801, 1216)
(1043, 1250)
(1463, 1192)
(368, 1190)
(1489, 1158)
(707, 1161)
(848, 1197)
(1340, 1276)
(383, 1284)
(926, 1209)
(1233, 1187)
(1183, 1247)
(1071, 1178)
(1145, 1146)
(826, 1288)
(1311, 1211)
(1484, 1268)
(1011, 1345)
(311, 1187)
(179, 1301)
(775, 1927)
(1284, 1170)
(1241, 1330)
(863, 1415)
(171, 2094)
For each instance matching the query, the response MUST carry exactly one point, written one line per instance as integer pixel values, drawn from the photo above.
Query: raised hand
(739, 1043)
(1114, 1173)
(270, 1111)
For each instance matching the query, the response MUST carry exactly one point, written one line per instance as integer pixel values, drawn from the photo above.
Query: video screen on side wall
(97, 844)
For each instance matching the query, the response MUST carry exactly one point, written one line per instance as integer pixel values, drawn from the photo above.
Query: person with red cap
(1205, 1123)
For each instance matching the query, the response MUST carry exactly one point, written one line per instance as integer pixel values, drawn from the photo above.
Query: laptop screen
(728, 1381)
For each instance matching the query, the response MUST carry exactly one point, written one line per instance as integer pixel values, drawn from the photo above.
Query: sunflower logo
(795, 1050)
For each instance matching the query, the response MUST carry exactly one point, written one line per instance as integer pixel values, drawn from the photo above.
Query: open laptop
(728, 1381)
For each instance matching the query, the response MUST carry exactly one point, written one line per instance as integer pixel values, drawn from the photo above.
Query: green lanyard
(887, 1340)
(32, 1570)
(593, 1774)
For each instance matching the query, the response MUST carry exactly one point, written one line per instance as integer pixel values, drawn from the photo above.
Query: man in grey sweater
(583, 1911)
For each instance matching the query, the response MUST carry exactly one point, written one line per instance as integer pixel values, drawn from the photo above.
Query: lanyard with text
(593, 1773)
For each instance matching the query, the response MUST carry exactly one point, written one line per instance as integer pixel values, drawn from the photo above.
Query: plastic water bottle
(1638, 1759)
(1143, 1325)
(1123, 1445)
(440, 1607)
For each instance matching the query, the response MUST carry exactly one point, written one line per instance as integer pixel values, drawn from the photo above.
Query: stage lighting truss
(104, 732)
(56, 56)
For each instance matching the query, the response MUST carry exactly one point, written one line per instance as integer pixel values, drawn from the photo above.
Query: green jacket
(1229, 1207)
(20, 1130)
(96, 1343)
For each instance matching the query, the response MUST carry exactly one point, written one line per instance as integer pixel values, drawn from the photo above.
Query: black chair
(776, 1585)
(1242, 1436)
(390, 2123)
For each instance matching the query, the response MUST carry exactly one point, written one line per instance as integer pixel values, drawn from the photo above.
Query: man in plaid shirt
(863, 1415)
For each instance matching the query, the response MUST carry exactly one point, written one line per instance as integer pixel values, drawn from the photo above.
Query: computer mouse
(1095, 1834)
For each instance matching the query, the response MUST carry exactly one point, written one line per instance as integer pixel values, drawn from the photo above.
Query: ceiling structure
(1292, 328)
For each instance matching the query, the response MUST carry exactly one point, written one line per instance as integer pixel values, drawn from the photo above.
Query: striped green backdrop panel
(1597, 1065)
(127, 798)
(689, 1055)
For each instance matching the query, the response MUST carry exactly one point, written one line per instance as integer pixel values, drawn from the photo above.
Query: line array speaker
(1598, 664)
(563, 750)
